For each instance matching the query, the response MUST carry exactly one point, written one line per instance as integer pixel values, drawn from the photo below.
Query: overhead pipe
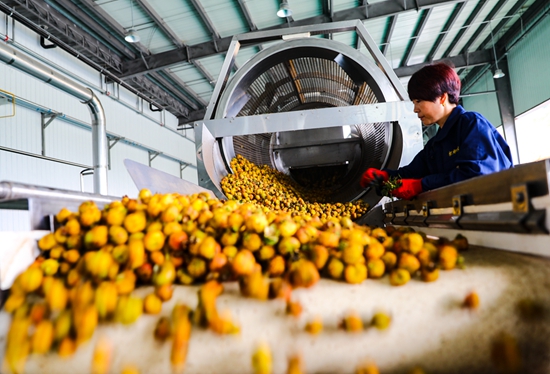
(99, 129)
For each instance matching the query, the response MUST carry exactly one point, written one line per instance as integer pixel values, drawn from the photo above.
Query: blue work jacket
(465, 147)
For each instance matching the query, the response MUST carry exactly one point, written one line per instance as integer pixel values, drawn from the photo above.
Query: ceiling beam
(186, 89)
(532, 15)
(247, 15)
(423, 19)
(388, 8)
(207, 21)
(381, 9)
(63, 32)
(444, 32)
(471, 18)
(161, 98)
(193, 116)
(96, 28)
(173, 89)
(151, 12)
(107, 19)
(390, 26)
(487, 21)
(476, 58)
(489, 40)
(203, 71)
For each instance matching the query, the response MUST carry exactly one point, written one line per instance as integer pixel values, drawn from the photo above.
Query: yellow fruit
(303, 273)
(411, 242)
(447, 257)
(374, 250)
(209, 247)
(135, 222)
(335, 268)
(352, 253)
(128, 309)
(97, 237)
(399, 277)
(261, 359)
(166, 274)
(67, 347)
(85, 322)
(118, 235)
(152, 304)
(101, 359)
(355, 274)
(429, 273)
(180, 337)
(162, 329)
(47, 242)
(31, 279)
(381, 321)
(352, 322)
(243, 263)
(314, 326)
(154, 240)
(471, 301)
(42, 338)
(49, 267)
(13, 302)
(375, 268)
(164, 292)
(57, 295)
(62, 325)
(408, 262)
(106, 299)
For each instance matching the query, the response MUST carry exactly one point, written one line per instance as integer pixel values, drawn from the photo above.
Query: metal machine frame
(505, 210)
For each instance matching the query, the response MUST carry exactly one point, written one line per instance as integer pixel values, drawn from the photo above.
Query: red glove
(372, 175)
(409, 189)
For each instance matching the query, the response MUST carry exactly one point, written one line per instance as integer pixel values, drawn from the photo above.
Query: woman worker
(465, 146)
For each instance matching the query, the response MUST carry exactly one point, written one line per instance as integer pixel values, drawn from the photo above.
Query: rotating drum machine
(312, 108)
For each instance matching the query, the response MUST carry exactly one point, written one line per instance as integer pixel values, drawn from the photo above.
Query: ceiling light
(498, 73)
(284, 9)
(132, 36)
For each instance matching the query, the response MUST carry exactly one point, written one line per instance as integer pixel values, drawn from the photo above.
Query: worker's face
(429, 112)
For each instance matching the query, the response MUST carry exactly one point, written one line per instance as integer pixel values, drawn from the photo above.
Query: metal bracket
(112, 142)
(152, 156)
(520, 198)
(46, 119)
(426, 208)
(458, 204)
(182, 167)
(406, 212)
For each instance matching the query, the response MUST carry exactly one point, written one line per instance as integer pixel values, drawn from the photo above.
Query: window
(533, 133)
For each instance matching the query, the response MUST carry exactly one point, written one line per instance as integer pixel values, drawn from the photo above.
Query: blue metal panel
(529, 63)
(486, 104)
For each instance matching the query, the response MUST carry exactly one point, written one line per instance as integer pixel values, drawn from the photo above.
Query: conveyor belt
(429, 327)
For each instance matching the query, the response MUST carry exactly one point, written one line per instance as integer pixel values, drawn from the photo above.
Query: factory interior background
(160, 134)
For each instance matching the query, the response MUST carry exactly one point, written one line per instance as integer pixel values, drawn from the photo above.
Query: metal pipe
(15, 191)
(99, 130)
(18, 151)
(97, 88)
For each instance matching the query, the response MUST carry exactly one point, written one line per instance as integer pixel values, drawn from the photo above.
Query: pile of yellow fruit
(276, 191)
(91, 263)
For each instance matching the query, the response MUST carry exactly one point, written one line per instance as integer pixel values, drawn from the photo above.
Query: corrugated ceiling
(183, 42)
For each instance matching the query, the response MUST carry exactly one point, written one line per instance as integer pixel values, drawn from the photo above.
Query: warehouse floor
(429, 326)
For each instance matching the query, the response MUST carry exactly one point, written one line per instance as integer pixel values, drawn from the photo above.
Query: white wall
(126, 116)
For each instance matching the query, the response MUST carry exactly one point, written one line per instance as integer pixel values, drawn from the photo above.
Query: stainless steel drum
(302, 75)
